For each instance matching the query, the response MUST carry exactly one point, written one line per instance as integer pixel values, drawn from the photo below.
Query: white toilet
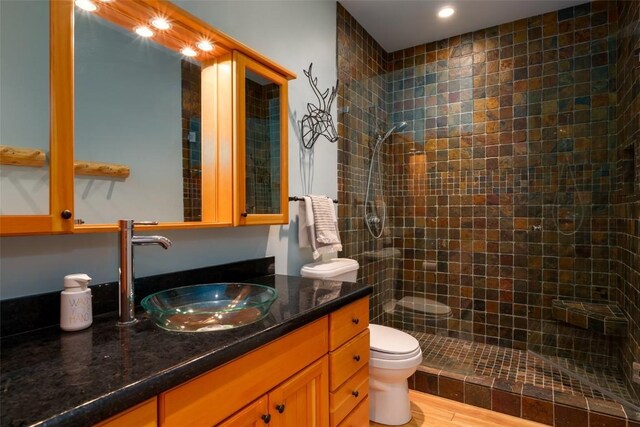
(394, 355)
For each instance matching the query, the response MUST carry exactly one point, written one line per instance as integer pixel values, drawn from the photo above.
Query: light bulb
(187, 51)
(160, 23)
(87, 5)
(446, 12)
(143, 31)
(205, 45)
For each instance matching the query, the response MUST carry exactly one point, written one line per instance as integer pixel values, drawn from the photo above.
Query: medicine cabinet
(146, 115)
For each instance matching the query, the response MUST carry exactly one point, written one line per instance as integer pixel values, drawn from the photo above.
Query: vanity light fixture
(160, 23)
(87, 5)
(205, 45)
(446, 12)
(187, 51)
(143, 31)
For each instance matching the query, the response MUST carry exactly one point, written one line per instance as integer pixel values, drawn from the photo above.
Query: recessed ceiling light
(160, 23)
(205, 45)
(187, 51)
(446, 12)
(144, 31)
(87, 5)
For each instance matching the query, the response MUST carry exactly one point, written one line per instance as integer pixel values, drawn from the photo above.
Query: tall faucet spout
(151, 240)
(127, 242)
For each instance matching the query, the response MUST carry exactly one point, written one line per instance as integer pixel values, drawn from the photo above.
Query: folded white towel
(324, 217)
(317, 226)
(303, 232)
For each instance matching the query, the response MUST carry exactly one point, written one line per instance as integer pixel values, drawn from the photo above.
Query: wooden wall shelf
(18, 156)
(101, 169)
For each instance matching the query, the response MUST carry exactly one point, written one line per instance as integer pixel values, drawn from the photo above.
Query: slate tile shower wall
(627, 194)
(362, 102)
(500, 192)
(504, 181)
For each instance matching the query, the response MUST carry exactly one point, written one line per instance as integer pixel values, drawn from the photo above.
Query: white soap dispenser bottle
(75, 303)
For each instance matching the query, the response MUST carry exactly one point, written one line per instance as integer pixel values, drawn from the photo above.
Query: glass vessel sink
(210, 307)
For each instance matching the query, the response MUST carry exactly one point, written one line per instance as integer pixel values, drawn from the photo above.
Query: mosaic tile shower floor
(477, 359)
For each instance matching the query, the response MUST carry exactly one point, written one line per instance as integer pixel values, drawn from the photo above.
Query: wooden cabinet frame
(219, 182)
(241, 63)
(60, 131)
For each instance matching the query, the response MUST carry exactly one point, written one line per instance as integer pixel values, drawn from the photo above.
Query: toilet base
(389, 402)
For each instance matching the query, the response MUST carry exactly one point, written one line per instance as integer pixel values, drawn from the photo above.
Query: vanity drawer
(143, 415)
(348, 322)
(358, 417)
(348, 359)
(349, 395)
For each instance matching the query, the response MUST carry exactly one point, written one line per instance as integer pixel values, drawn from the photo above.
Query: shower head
(395, 128)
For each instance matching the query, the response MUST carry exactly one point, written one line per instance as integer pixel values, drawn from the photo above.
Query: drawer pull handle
(355, 320)
(356, 357)
(280, 408)
(355, 393)
(266, 418)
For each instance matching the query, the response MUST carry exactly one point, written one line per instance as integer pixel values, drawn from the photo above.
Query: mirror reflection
(24, 96)
(262, 100)
(137, 104)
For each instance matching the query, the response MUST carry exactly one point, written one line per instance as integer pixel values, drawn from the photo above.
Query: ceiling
(398, 24)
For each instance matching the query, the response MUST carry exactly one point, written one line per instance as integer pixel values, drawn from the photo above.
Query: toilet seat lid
(391, 341)
(379, 355)
(329, 269)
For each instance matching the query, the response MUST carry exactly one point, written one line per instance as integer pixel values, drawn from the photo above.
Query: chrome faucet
(127, 242)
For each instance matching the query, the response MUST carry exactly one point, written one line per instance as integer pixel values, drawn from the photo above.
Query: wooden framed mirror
(126, 148)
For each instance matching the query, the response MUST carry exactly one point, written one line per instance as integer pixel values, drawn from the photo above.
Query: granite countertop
(50, 377)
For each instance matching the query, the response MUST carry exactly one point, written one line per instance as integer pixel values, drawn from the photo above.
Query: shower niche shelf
(606, 319)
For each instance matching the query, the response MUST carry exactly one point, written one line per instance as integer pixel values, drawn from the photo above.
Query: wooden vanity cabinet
(349, 363)
(255, 414)
(315, 376)
(300, 401)
(290, 369)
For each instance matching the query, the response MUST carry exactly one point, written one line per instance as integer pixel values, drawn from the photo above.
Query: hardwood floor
(433, 411)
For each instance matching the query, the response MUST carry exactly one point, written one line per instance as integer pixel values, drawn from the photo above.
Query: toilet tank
(342, 269)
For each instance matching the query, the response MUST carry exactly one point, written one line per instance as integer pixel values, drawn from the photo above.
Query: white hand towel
(303, 232)
(322, 225)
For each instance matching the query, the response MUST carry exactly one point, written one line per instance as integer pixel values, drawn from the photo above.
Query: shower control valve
(373, 219)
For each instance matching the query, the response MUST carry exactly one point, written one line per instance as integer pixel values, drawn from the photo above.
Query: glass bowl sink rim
(160, 315)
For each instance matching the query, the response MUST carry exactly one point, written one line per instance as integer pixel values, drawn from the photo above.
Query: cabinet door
(37, 119)
(253, 415)
(303, 399)
(261, 144)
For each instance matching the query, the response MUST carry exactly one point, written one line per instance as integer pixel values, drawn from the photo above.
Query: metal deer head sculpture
(318, 121)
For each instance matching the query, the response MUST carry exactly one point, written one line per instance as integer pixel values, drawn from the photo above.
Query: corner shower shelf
(607, 319)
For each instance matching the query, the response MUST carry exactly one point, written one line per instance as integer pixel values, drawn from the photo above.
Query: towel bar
(300, 199)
